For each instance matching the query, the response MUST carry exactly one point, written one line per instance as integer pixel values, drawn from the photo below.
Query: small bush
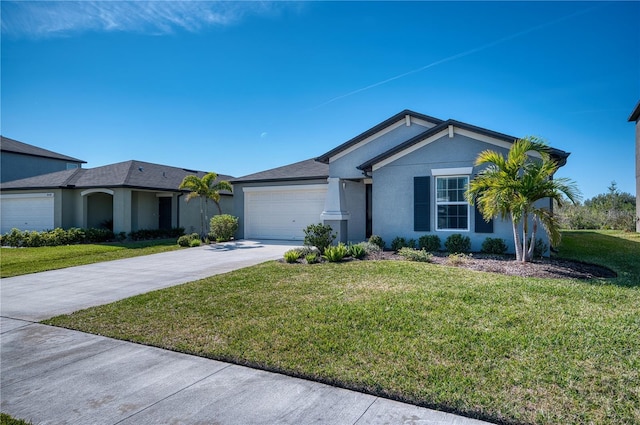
(377, 240)
(185, 240)
(457, 259)
(494, 246)
(397, 243)
(539, 248)
(223, 227)
(357, 251)
(291, 256)
(312, 258)
(430, 243)
(370, 248)
(335, 254)
(195, 242)
(457, 243)
(319, 235)
(412, 254)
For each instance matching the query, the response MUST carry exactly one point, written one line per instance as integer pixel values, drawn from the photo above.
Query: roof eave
(635, 114)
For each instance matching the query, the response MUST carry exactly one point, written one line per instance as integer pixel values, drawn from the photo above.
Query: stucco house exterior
(406, 176)
(20, 160)
(132, 195)
(635, 117)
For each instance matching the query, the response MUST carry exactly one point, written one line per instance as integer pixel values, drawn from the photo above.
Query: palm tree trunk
(525, 236)
(532, 240)
(516, 239)
(219, 209)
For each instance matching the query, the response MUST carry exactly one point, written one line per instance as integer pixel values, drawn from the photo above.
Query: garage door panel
(276, 213)
(26, 212)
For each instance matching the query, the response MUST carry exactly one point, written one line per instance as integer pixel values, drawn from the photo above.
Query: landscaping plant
(377, 240)
(457, 243)
(319, 235)
(291, 256)
(413, 254)
(223, 227)
(430, 243)
(494, 246)
(334, 254)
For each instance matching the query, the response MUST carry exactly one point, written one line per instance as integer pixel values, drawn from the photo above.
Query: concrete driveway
(50, 375)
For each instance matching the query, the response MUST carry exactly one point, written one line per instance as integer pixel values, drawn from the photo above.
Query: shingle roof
(397, 117)
(11, 145)
(132, 174)
(635, 114)
(309, 169)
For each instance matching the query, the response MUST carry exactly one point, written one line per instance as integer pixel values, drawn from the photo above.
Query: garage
(282, 212)
(26, 211)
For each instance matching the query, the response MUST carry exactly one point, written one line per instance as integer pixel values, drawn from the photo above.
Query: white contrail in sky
(457, 56)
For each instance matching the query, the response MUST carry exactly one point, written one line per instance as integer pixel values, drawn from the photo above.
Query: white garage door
(282, 212)
(29, 211)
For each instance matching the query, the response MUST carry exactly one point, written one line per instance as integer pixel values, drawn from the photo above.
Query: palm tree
(510, 187)
(205, 188)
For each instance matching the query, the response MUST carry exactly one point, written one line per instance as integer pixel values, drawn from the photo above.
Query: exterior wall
(14, 166)
(190, 212)
(345, 166)
(355, 195)
(238, 198)
(144, 210)
(99, 209)
(393, 213)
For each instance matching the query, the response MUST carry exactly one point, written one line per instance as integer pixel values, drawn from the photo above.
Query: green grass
(518, 350)
(19, 261)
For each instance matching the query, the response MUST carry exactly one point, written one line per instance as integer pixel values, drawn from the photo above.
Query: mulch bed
(554, 268)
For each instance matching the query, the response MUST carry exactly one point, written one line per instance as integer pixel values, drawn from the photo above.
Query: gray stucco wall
(393, 202)
(14, 166)
(355, 196)
(345, 166)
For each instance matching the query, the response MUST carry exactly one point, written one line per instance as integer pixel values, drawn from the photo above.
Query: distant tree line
(614, 210)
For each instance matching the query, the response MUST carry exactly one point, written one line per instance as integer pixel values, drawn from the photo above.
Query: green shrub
(98, 235)
(457, 259)
(195, 242)
(291, 256)
(494, 246)
(377, 240)
(397, 243)
(14, 238)
(334, 254)
(185, 240)
(539, 248)
(319, 235)
(312, 258)
(412, 254)
(370, 248)
(357, 251)
(223, 227)
(430, 243)
(457, 243)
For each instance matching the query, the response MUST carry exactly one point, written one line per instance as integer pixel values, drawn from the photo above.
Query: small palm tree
(205, 188)
(510, 187)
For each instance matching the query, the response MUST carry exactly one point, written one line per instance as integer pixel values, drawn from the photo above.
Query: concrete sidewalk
(58, 376)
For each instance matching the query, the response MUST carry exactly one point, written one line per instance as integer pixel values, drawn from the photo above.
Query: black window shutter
(481, 225)
(421, 203)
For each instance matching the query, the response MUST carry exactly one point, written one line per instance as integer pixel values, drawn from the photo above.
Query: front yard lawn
(496, 347)
(19, 261)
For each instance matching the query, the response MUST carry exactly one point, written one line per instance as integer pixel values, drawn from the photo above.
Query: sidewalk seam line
(365, 411)
(172, 394)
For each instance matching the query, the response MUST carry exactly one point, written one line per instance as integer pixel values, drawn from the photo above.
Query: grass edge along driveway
(500, 348)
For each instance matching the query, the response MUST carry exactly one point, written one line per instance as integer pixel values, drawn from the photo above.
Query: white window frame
(437, 203)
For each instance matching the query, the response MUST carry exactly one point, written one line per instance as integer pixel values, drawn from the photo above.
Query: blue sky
(240, 87)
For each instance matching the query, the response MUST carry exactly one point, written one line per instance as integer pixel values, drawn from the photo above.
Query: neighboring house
(128, 196)
(404, 177)
(19, 160)
(635, 117)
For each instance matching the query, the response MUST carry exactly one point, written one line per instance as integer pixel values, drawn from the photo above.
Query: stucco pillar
(122, 211)
(335, 212)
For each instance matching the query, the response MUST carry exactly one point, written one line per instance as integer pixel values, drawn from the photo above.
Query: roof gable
(376, 131)
(14, 146)
(635, 114)
(450, 127)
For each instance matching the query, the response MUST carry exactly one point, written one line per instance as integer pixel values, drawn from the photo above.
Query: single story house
(20, 160)
(129, 196)
(635, 117)
(406, 176)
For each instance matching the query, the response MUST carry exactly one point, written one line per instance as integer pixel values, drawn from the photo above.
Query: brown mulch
(554, 268)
